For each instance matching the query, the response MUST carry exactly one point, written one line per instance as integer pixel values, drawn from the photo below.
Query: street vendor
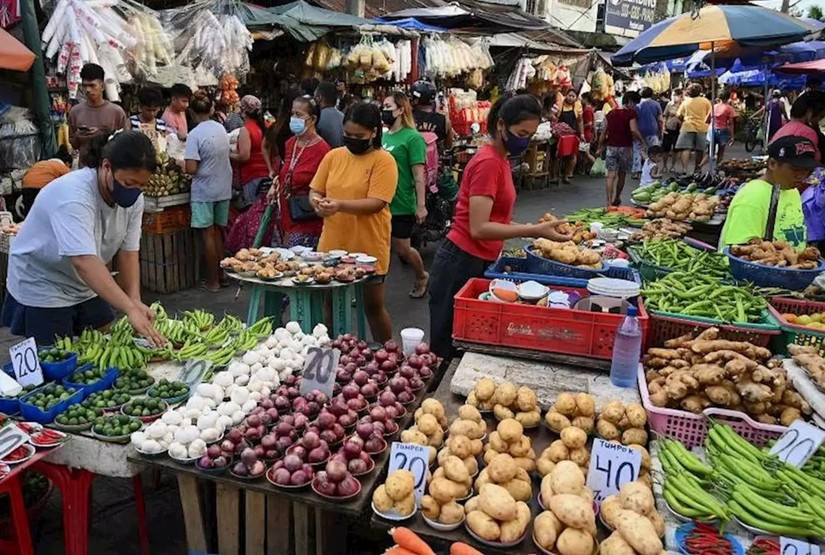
(58, 282)
(790, 161)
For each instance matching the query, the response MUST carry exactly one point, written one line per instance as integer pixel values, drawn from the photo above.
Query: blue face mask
(297, 125)
(515, 145)
(122, 195)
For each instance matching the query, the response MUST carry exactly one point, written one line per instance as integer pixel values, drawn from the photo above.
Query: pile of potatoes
(571, 447)
(435, 408)
(427, 429)
(416, 436)
(568, 526)
(396, 494)
(469, 423)
(506, 401)
(495, 516)
(624, 423)
(572, 409)
(503, 471)
(451, 481)
(509, 438)
(644, 473)
(637, 525)
(465, 449)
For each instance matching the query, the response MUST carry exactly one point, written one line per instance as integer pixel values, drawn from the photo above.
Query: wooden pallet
(168, 261)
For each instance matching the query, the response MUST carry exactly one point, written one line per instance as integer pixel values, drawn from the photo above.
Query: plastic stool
(21, 543)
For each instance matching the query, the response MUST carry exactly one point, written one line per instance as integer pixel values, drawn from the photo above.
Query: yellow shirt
(695, 112)
(345, 176)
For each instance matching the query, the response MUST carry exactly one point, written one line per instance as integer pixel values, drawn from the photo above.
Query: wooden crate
(171, 219)
(167, 261)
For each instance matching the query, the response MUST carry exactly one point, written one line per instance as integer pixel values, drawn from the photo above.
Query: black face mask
(387, 118)
(357, 146)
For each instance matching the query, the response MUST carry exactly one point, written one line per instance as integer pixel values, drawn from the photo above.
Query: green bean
(677, 255)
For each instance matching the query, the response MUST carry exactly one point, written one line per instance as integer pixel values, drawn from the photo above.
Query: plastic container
(769, 276)
(539, 265)
(684, 531)
(692, 429)
(410, 339)
(518, 271)
(627, 350)
(651, 272)
(535, 328)
(59, 370)
(103, 383)
(30, 412)
(667, 325)
(795, 333)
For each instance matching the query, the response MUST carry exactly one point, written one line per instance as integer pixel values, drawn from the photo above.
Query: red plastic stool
(21, 544)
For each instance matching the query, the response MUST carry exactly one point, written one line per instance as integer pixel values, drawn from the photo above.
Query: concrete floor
(114, 526)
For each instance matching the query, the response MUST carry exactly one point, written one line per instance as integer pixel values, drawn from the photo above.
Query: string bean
(679, 256)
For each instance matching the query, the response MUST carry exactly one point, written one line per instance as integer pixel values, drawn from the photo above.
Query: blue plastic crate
(59, 370)
(770, 276)
(9, 405)
(518, 271)
(539, 265)
(105, 382)
(34, 414)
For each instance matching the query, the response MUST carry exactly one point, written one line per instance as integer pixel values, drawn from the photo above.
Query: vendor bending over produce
(58, 282)
(790, 162)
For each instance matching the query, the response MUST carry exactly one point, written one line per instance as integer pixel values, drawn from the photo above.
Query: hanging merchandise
(657, 79)
(370, 60)
(601, 85)
(19, 138)
(9, 12)
(523, 72)
(454, 57)
(465, 110)
(228, 87)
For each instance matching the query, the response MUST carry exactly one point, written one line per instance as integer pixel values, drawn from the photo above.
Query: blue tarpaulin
(413, 25)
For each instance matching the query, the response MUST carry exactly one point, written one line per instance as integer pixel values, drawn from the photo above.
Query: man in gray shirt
(331, 123)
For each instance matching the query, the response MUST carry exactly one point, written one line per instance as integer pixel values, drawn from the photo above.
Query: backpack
(431, 161)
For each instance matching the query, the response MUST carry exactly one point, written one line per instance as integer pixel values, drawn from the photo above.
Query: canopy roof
(13, 54)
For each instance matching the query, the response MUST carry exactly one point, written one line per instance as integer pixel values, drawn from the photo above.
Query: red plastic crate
(553, 330)
(796, 333)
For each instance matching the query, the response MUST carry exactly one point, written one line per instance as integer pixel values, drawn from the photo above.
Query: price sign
(798, 444)
(11, 437)
(790, 546)
(194, 371)
(611, 466)
(25, 363)
(319, 370)
(412, 457)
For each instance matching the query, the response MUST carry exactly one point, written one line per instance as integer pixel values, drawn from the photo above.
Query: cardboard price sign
(25, 363)
(319, 370)
(412, 457)
(798, 444)
(790, 546)
(11, 437)
(611, 466)
(194, 371)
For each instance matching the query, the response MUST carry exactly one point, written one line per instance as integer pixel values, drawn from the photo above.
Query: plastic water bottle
(627, 350)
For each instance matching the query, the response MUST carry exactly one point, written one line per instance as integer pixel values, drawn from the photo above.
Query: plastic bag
(599, 168)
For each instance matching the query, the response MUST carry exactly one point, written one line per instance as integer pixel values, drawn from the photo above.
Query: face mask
(297, 125)
(124, 196)
(387, 118)
(516, 145)
(357, 146)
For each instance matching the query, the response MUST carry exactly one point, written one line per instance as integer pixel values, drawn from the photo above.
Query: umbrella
(13, 54)
(817, 66)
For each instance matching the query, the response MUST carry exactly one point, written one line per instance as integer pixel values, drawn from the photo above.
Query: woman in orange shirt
(250, 156)
(352, 192)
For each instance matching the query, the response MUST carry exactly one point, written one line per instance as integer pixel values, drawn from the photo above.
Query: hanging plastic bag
(599, 168)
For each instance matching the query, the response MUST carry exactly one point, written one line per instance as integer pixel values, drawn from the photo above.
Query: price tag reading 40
(798, 444)
(319, 370)
(790, 546)
(25, 363)
(611, 466)
(416, 459)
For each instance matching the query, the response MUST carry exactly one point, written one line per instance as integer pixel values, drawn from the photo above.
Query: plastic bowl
(498, 545)
(442, 527)
(770, 276)
(394, 517)
(336, 498)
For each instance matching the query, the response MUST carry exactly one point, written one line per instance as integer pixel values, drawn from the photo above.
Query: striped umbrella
(714, 26)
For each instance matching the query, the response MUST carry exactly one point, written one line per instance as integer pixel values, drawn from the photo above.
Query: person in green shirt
(407, 146)
(791, 160)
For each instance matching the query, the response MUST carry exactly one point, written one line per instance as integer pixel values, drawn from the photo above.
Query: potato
(645, 455)
(414, 435)
(609, 509)
(400, 484)
(439, 473)
(545, 466)
(636, 497)
(472, 399)
(455, 470)
(546, 490)
(658, 522)
(489, 454)
(433, 453)
(585, 405)
(580, 456)
(639, 532)
(529, 419)
(526, 463)
(441, 489)
(514, 529)
(404, 506)
(483, 526)
(521, 447)
(382, 501)
(572, 510)
(502, 468)
(520, 490)
(510, 430)
(506, 394)
(469, 413)
(584, 423)
(567, 478)
(497, 502)
(484, 389)
(526, 399)
(556, 421)
(477, 444)
(615, 545)
(471, 505)
(429, 507)
(503, 413)
(574, 542)
(587, 494)
(636, 415)
(496, 443)
(471, 464)
(434, 407)
(436, 439)
(428, 425)
(613, 412)
(546, 528)
(466, 428)
(557, 451)
(451, 513)
(573, 438)
(634, 435)
(607, 430)
(566, 404)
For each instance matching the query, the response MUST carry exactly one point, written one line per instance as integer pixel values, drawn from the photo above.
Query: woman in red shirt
(483, 214)
(303, 152)
(250, 155)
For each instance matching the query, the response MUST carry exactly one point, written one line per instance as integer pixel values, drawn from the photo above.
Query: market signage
(611, 466)
(628, 18)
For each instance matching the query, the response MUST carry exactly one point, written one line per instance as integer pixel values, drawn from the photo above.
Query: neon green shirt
(748, 216)
(408, 148)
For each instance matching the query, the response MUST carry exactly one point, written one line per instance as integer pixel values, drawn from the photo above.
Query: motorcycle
(440, 208)
(752, 139)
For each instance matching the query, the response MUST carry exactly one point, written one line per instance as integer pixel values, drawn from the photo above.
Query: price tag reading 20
(611, 466)
(25, 363)
(789, 546)
(319, 370)
(798, 444)
(416, 459)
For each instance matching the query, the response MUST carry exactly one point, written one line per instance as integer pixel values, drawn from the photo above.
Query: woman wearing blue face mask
(483, 214)
(58, 282)
(303, 152)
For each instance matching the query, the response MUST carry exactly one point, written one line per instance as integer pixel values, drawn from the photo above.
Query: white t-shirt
(647, 169)
(69, 218)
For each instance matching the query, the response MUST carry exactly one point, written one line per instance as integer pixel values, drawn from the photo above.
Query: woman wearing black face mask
(58, 283)
(352, 192)
(483, 214)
